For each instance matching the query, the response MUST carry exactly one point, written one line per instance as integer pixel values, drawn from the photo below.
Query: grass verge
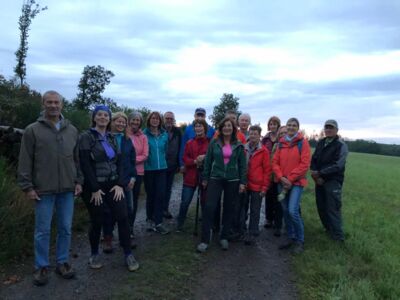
(368, 266)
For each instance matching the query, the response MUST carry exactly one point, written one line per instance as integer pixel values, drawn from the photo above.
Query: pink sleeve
(145, 150)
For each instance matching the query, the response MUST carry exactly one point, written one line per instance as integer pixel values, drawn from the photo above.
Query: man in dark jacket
(48, 173)
(172, 157)
(327, 170)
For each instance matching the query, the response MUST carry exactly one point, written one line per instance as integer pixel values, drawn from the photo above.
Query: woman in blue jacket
(155, 172)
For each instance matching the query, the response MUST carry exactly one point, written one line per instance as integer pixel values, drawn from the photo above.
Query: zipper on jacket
(158, 154)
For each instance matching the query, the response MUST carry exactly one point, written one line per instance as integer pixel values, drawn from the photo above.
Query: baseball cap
(200, 110)
(332, 123)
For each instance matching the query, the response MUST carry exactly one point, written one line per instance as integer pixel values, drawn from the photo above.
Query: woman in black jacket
(101, 164)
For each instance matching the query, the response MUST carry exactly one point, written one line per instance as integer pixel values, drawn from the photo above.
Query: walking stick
(196, 221)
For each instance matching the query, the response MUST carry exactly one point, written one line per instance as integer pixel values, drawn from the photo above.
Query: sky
(314, 60)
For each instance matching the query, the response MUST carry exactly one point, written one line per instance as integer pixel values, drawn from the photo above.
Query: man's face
(244, 123)
(169, 120)
(199, 116)
(330, 131)
(52, 106)
(254, 136)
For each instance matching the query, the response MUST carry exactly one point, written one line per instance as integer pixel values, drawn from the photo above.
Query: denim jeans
(64, 204)
(291, 213)
(186, 199)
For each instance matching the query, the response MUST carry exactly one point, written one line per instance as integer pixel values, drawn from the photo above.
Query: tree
(29, 11)
(91, 86)
(228, 102)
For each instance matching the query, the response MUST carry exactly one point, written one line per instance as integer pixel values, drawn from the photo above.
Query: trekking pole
(196, 220)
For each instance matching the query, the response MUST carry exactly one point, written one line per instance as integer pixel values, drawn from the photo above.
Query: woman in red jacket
(193, 157)
(258, 180)
(290, 164)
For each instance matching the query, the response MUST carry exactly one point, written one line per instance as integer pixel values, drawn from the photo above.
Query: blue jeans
(291, 213)
(64, 204)
(187, 196)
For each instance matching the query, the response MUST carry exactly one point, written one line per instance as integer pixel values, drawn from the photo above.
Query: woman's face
(273, 126)
(102, 118)
(254, 137)
(118, 125)
(199, 129)
(282, 131)
(292, 128)
(154, 121)
(134, 124)
(227, 129)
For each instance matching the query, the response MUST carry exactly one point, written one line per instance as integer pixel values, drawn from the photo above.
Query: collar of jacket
(294, 141)
(63, 122)
(235, 145)
(147, 131)
(247, 147)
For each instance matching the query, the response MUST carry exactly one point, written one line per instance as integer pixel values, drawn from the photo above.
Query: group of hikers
(232, 168)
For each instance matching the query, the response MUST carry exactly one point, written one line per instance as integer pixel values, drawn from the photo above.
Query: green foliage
(228, 102)
(16, 217)
(19, 106)
(91, 86)
(79, 118)
(367, 267)
(29, 11)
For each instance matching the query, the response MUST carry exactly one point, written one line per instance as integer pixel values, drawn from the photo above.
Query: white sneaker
(224, 244)
(202, 247)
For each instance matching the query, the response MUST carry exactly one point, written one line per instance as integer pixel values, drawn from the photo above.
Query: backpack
(299, 145)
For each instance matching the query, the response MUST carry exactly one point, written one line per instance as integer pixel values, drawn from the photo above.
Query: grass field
(368, 266)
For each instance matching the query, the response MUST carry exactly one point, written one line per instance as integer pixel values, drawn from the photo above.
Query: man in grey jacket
(48, 173)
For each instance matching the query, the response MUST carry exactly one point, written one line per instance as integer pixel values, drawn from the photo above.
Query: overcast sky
(314, 60)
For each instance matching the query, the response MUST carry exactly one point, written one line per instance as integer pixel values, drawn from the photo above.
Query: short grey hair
(136, 114)
(51, 92)
(245, 115)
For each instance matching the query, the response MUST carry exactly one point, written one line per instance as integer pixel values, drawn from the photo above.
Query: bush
(16, 217)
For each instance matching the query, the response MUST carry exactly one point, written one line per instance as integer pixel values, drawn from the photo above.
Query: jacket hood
(286, 143)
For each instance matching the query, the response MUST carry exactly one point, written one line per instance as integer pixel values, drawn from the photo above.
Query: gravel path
(243, 272)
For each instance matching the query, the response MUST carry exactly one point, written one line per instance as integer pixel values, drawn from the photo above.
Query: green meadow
(368, 265)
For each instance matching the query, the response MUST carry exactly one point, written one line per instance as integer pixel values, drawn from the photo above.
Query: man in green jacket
(49, 175)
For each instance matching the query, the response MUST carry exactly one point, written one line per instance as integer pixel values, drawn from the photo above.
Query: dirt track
(242, 272)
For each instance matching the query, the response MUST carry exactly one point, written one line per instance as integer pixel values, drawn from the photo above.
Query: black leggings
(118, 211)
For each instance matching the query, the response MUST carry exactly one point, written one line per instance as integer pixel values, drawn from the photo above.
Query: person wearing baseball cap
(327, 169)
(199, 114)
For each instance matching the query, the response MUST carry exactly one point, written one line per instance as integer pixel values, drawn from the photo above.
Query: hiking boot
(289, 243)
(268, 224)
(131, 263)
(160, 228)
(167, 215)
(224, 244)
(65, 271)
(150, 225)
(277, 232)
(107, 244)
(202, 247)
(41, 276)
(94, 262)
(298, 248)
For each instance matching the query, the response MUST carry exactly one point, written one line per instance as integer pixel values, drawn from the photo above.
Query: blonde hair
(119, 114)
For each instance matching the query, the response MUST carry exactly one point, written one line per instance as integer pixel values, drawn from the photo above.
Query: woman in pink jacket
(139, 139)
